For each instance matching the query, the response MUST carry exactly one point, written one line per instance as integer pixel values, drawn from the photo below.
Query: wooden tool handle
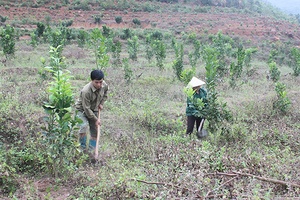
(98, 137)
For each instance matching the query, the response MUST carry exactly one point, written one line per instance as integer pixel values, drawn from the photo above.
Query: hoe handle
(98, 137)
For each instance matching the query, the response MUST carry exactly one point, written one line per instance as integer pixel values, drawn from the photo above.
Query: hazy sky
(290, 6)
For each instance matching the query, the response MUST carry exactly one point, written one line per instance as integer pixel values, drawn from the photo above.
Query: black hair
(97, 74)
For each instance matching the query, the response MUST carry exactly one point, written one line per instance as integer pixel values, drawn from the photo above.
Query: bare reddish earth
(254, 28)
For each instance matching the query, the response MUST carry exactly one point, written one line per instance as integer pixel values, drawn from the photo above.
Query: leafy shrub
(116, 51)
(118, 19)
(40, 29)
(82, 37)
(178, 62)
(159, 50)
(80, 5)
(60, 136)
(136, 21)
(296, 55)
(8, 175)
(274, 72)
(236, 69)
(133, 46)
(187, 75)
(156, 35)
(126, 34)
(7, 40)
(128, 73)
(98, 43)
(3, 19)
(67, 23)
(283, 102)
(107, 32)
(97, 19)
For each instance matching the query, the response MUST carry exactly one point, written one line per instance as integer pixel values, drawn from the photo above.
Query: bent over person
(192, 113)
(91, 99)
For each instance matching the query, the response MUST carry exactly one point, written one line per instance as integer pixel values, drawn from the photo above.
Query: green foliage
(3, 19)
(34, 39)
(237, 69)
(216, 112)
(97, 19)
(128, 73)
(126, 34)
(156, 35)
(40, 29)
(282, 103)
(187, 75)
(116, 52)
(195, 55)
(296, 55)
(178, 62)
(248, 58)
(133, 46)
(136, 21)
(118, 19)
(106, 31)
(7, 40)
(67, 23)
(274, 71)
(223, 45)
(80, 5)
(149, 49)
(272, 56)
(98, 43)
(82, 38)
(59, 134)
(159, 50)
(56, 37)
(8, 177)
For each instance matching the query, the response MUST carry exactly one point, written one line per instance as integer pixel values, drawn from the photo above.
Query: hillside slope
(252, 27)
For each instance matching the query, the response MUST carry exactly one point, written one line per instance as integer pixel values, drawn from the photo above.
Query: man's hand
(100, 106)
(98, 122)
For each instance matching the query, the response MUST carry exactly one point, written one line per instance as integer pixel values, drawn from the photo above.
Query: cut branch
(207, 195)
(268, 179)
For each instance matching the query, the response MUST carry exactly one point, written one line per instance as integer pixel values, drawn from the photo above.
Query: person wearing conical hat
(192, 112)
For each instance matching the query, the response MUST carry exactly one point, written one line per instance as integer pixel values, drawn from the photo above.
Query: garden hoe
(98, 138)
(201, 132)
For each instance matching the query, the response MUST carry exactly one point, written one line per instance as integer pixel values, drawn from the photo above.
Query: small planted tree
(116, 52)
(296, 64)
(118, 19)
(159, 50)
(8, 40)
(133, 46)
(195, 55)
(149, 49)
(82, 37)
(128, 73)
(178, 62)
(282, 103)
(223, 45)
(236, 69)
(248, 58)
(97, 42)
(187, 75)
(60, 133)
(274, 71)
(215, 111)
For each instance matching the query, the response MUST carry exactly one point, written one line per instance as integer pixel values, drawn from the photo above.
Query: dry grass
(143, 152)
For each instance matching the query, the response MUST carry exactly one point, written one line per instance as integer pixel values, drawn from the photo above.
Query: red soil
(251, 28)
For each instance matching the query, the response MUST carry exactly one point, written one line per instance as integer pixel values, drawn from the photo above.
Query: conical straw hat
(195, 82)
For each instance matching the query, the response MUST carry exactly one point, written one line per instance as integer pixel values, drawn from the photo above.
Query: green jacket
(90, 99)
(191, 110)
